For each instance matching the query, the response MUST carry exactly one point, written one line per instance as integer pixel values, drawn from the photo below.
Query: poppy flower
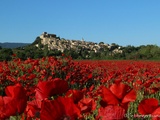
(14, 102)
(156, 114)
(46, 89)
(90, 76)
(59, 109)
(87, 105)
(76, 95)
(33, 109)
(111, 113)
(118, 94)
(148, 106)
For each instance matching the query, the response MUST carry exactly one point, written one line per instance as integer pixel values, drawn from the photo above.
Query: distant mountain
(13, 45)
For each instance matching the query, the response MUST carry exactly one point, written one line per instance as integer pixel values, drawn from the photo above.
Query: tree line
(143, 52)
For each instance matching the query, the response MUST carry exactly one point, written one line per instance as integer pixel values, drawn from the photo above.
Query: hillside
(50, 45)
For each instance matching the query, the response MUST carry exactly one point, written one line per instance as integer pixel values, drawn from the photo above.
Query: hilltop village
(56, 43)
(50, 45)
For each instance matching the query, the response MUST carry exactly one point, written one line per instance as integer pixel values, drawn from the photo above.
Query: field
(64, 89)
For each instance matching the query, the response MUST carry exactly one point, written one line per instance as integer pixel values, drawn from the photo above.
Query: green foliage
(148, 52)
(74, 54)
(6, 54)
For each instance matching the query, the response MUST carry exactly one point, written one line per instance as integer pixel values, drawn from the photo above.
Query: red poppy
(109, 97)
(47, 89)
(118, 93)
(87, 105)
(33, 109)
(59, 109)
(156, 114)
(14, 102)
(90, 76)
(111, 113)
(76, 95)
(148, 106)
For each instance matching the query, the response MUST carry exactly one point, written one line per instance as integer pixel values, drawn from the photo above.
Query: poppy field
(64, 89)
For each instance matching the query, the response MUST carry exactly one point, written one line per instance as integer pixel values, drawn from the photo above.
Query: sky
(124, 22)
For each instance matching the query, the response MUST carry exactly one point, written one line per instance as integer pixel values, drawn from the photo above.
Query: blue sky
(124, 22)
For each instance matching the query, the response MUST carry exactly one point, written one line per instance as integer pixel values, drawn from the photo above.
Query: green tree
(21, 55)
(45, 51)
(38, 53)
(145, 52)
(6, 54)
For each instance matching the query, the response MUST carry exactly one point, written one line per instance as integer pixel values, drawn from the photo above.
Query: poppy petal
(119, 90)
(147, 106)
(130, 97)
(109, 97)
(112, 113)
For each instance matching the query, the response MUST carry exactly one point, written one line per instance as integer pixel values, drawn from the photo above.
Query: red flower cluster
(63, 89)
